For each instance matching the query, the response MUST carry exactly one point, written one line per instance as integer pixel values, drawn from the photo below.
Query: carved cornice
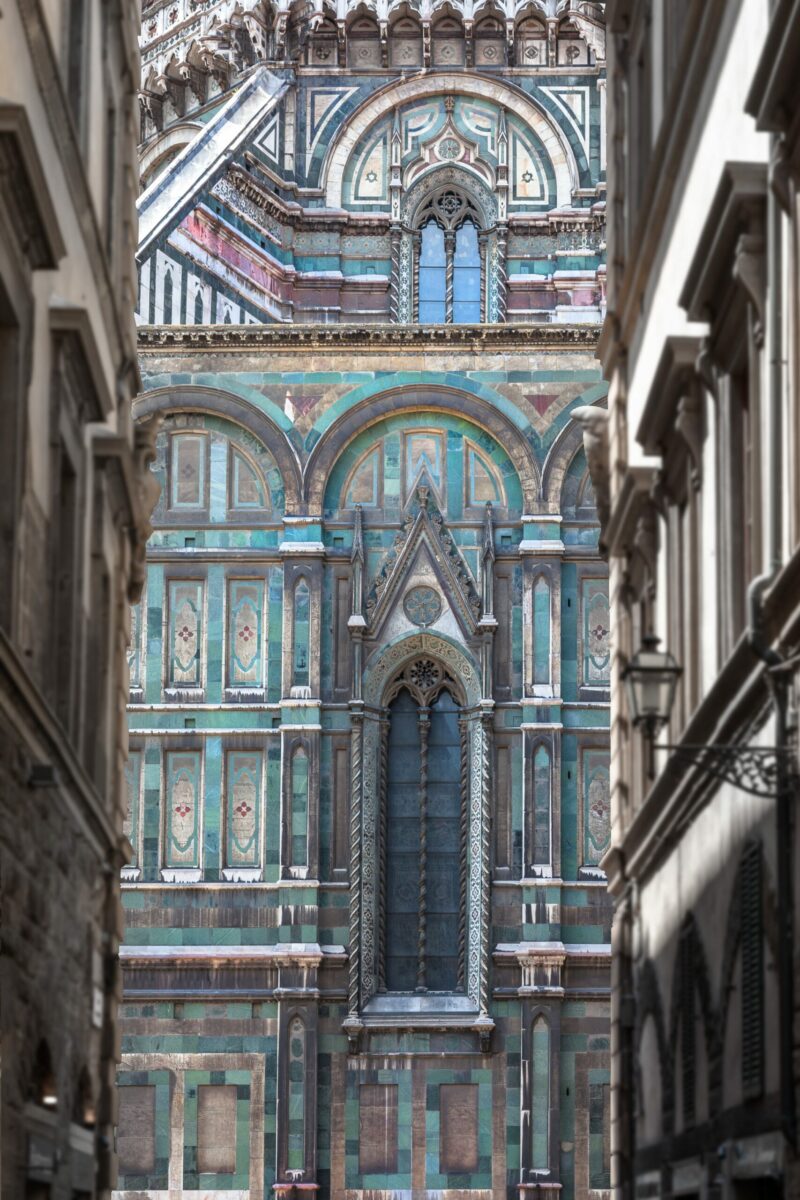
(738, 208)
(230, 339)
(256, 184)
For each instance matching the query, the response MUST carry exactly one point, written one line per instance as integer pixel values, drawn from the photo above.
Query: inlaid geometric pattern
(596, 631)
(596, 800)
(244, 774)
(143, 1130)
(188, 470)
(186, 627)
(246, 608)
(183, 808)
(216, 1131)
(296, 1127)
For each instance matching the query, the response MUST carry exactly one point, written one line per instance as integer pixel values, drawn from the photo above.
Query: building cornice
(282, 954)
(738, 208)
(683, 109)
(676, 370)
(773, 96)
(231, 339)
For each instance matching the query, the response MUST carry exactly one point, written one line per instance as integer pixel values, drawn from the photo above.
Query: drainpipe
(777, 673)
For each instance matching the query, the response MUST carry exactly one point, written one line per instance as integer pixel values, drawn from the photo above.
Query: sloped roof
(174, 193)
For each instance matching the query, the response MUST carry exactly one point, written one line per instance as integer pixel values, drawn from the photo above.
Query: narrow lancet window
(296, 1128)
(422, 849)
(467, 276)
(302, 619)
(540, 1099)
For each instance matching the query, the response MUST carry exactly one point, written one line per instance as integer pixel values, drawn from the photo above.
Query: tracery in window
(449, 264)
(422, 851)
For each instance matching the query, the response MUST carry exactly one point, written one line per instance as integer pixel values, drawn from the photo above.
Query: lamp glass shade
(650, 681)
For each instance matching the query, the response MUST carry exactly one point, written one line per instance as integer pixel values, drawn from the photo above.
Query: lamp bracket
(759, 770)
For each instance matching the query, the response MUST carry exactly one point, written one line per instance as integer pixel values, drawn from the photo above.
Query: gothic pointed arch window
(448, 260)
(449, 287)
(424, 794)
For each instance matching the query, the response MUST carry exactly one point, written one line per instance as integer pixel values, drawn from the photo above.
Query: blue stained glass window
(466, 277)
(432, 276)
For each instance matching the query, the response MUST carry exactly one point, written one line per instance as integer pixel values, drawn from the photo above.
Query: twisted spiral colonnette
(355, 866)
(394, 282)
(502, 278)
(384, 841)
(449, 275)
(462, 881)
(485, 874)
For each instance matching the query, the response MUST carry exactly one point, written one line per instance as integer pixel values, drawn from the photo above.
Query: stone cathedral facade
(367, 930)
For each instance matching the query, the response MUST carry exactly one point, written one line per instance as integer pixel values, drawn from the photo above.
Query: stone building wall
(231, 941)
(366, 928)
(73, 526)
(696, 473)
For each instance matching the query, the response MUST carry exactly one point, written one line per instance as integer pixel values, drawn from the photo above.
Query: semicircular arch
(363, 462)
(370, 410)
(167, 400)
(567, 443)
(468, 83)
(168, 145)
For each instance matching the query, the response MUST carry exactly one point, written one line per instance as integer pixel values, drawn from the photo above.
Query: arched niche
(386, 663)
(161, 151)
(567, 443)
(170, 402)
(211, 469)
(369, 411)
(553, 139)
(363, 40)
(426, 447)
(450, 199)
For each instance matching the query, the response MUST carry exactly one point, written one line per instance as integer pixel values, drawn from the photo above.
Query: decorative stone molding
(189, 339)
(595, 439)
(390, 659)
(465, 82)
(428, 526)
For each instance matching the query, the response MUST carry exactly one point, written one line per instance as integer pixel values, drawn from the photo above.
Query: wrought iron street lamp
(651, 678)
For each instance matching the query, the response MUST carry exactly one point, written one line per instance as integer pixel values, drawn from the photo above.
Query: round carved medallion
(448, 148)
(422, 606)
